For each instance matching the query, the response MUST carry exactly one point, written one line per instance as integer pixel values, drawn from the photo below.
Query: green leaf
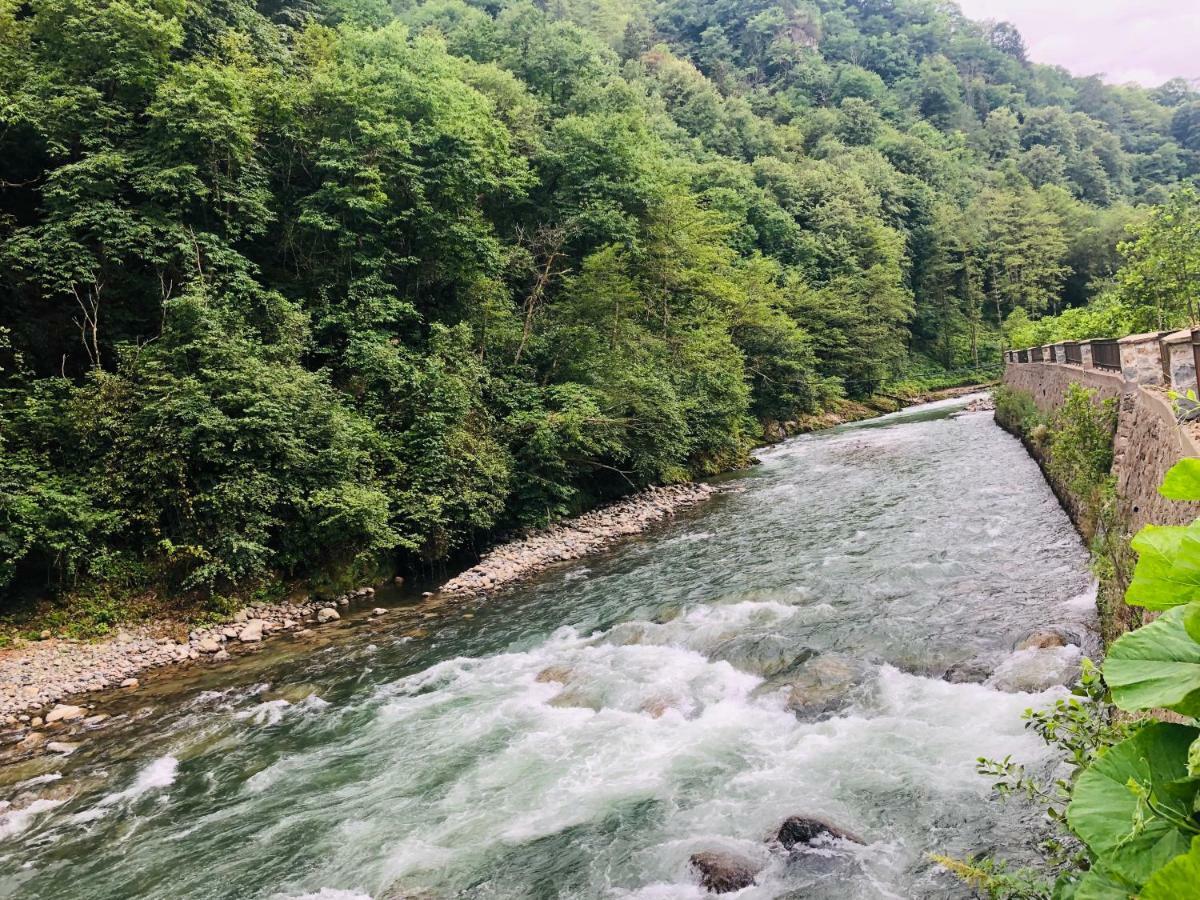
(1168, 567)
(1182, 481)
(1109, 811)
(1099, 884)
(1191, 621)
(1177, 880)
(1156, 666)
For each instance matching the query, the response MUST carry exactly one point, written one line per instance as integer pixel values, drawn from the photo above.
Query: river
(777, 651)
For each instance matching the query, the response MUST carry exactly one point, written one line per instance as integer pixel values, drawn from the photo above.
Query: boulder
(722, 873)
(64, 712)
(130, 683)
(208, 645)
(803, 830)
(64, 747)
(252, 633)
(822, 685)
(327, 614)
(378, 611)
(971, 671)
(555, 674)
(1043, 640)
(1034, 670)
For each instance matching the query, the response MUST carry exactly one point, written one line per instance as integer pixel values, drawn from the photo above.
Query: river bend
(783, 650)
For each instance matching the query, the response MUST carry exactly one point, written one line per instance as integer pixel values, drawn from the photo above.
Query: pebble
(64, 713)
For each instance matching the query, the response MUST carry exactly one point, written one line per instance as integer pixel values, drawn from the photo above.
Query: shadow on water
(810, 642)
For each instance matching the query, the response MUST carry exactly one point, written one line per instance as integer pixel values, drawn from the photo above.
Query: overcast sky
(1148, 41)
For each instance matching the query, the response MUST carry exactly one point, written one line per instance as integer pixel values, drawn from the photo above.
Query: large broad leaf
(1108, 814)
(1177, 880)
(1182, 482)
(1168, 567)
(1099, 884)
(1157, 666)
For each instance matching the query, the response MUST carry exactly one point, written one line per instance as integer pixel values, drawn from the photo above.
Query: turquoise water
(778, 651)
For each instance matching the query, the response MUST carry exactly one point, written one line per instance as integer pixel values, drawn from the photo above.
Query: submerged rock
(1043, 640)
(803, 830)
(823, 685)
(971, 671)
(722, 872)
(32, 741)
(768, 655)
(555, 674)
(1034, 670)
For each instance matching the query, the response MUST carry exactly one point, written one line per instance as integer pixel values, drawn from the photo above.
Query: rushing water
(779, 651)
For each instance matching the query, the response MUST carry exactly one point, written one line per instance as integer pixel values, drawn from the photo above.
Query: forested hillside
(299, 285)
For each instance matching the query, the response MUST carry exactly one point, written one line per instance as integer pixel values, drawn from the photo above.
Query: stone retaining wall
(1149, 440)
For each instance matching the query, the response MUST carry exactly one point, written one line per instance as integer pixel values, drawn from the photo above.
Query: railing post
(1141, 357)
(1196, 357)
(1178, 360)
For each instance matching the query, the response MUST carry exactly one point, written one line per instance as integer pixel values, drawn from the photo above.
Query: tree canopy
(292, 285)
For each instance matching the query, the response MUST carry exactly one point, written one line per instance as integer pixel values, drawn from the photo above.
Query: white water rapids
(783, 650)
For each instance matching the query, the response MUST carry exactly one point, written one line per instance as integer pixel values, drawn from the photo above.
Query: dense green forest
(296, 286)
(1157, 288)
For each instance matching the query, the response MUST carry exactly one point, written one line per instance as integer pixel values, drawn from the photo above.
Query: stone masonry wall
(1148, 442)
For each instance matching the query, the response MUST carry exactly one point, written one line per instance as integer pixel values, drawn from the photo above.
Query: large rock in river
(722, 873)
(822, 685)
(803, 830)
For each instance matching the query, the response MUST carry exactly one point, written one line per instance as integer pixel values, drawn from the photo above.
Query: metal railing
(1106, 354)
(1073, 353)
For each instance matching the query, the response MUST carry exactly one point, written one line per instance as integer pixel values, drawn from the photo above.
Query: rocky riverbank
(588, 533)
(40, 673)
(37, 674)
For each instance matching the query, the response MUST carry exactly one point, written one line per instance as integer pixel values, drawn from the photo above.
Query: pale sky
(1147, 41)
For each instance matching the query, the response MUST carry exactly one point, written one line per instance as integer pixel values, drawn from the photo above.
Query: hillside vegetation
(299, 286)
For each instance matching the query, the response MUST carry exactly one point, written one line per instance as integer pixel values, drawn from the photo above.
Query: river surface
(778, 651)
